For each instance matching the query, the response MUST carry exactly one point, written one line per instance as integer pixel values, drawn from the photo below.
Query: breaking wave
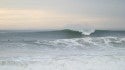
(84, 29)
(89, 43)
(68, 49)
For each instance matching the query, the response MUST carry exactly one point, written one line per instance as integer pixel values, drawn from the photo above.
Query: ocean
(62, 50)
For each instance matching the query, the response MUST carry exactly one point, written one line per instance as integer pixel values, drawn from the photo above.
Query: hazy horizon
(56, 14)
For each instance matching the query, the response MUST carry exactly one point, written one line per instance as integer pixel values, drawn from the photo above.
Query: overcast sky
(50, 14)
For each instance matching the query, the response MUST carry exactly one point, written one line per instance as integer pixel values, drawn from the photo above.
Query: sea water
(62, 50)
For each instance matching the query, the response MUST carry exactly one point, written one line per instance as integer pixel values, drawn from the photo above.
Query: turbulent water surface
(62, 50)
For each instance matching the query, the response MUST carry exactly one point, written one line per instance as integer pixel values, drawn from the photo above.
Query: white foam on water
(84, 29)
(68, 63)
(83, 43)
(89, 53)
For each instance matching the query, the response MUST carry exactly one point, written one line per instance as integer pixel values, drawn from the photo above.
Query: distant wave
(84, 29)
(60, 34)
(88, 32)
(95, 33)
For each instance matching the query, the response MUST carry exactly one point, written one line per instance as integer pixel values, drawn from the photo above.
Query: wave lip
(85, 30)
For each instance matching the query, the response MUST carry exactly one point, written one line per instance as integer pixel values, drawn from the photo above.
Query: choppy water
(62, 50)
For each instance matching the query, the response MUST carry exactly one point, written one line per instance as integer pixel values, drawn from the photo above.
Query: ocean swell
(84, 29)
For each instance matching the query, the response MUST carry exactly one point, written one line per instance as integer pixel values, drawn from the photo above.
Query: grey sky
(112, 12)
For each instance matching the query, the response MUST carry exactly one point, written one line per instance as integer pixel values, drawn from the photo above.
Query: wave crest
(84, 29)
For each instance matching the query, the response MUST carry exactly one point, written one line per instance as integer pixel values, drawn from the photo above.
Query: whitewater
(68, 49)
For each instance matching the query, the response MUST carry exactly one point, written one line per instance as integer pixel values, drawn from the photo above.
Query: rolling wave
(84, 29)
(84, 32)
(84, 43)
(96, 33)
(67, 32)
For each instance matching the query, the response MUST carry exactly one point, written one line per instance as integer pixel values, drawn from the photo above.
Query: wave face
(62, 50)
(84, 29)
(57, 34)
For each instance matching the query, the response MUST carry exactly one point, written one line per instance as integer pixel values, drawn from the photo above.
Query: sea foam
(84, 29)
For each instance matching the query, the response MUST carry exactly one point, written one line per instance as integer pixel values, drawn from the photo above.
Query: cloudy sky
(51, 14)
